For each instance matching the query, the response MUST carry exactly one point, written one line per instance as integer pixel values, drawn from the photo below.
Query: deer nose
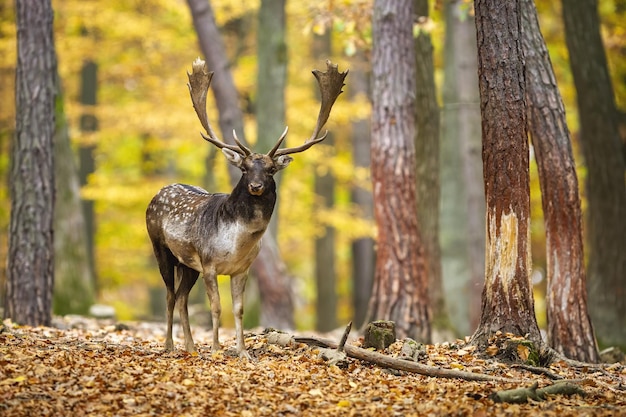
(255, 188)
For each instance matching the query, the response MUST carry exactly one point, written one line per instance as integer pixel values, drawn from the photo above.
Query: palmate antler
(199, 83)
(330, 83)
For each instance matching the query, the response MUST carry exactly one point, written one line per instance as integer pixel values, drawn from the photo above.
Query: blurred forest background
(122, 66)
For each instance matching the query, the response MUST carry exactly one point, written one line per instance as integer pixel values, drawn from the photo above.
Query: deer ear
(233, 157)
(282, 162)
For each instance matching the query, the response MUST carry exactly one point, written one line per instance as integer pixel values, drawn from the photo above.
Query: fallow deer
(195, 232)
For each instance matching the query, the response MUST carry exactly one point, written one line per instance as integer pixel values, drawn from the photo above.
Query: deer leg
(210, 281)
(171, 302)
(237, 287)
(187, 278)
(166, 262)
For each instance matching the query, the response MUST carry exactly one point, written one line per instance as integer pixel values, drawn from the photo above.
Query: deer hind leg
(167, 262)
(186, 279)
(237, 287)
(210, 281)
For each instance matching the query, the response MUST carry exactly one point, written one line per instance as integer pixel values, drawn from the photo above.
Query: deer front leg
(237, 287)
(210, 281)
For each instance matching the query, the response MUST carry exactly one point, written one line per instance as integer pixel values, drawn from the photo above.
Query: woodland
(497, 262)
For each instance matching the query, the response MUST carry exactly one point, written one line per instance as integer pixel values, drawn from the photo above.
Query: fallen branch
(400, 364)
(522, 395)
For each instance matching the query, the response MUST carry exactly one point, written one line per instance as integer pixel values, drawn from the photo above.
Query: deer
(195, 232)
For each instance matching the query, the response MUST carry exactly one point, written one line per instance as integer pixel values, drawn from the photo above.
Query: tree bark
(507, 300)
(363, 254)
(569, 328)
(30, 270)
(427, 165)
(400, 292)
(325, 274)
(276, 294)
(604, 160)
(462, 230)
(271, 82)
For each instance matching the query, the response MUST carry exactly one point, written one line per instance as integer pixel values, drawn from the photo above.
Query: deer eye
(271, 170)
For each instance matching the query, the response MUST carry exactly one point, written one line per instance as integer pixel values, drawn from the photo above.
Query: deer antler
(330, 84)
(199, 83)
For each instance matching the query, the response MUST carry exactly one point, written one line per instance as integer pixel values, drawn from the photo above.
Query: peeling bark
(507, 300)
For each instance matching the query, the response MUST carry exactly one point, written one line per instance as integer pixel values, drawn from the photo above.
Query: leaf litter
(89, 367)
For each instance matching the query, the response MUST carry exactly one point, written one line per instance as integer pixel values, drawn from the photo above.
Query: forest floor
(87, 367)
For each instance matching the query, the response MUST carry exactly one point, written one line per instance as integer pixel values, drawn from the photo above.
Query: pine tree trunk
(30, 270)
(507, 300)
(604, 160)
(400, 292)
(427, 164)
(269, 269)
(569, 327)
(462, 194)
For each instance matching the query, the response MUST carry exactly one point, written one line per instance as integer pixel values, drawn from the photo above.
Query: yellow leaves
(344, 403)
(10, 381)
(523, 352)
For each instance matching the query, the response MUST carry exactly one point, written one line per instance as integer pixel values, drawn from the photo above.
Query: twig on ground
(400, 364)
(538, 370)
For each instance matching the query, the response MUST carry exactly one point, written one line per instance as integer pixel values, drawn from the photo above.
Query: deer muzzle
(256, 188)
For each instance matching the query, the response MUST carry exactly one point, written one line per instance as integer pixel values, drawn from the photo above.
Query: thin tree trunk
(507, 301)
(427, 164)
(363, 254)
(86, 159)
(604, 160)
(30, 269)
(74, 286)
(569, 327)
(462, 193)
(325, 279)
(274, 282)
(400, 290)
(271, 83)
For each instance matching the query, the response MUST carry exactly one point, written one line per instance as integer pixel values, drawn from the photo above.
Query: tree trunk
(271, 82)
(462, 195)
(87, 162)
(325, 279)
(30, 276)
(400, 292)
(363, 254)
(569, 327)
(427, 165)
(74, 286)
(507, 300)
(604, 160)
(274, 282)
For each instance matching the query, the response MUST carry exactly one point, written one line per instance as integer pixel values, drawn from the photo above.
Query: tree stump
(379, 334)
